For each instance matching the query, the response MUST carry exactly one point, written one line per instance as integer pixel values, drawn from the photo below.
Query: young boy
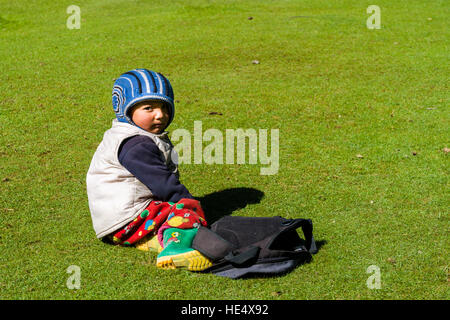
(135, 196)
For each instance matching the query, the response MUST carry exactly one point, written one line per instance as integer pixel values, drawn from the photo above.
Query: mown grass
(332, 87)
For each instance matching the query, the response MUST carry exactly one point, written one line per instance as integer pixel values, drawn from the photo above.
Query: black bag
(243, 246)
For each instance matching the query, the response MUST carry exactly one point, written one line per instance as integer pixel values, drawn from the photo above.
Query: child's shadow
(222, 203)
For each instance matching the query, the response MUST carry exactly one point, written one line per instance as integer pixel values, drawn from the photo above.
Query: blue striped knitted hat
(139, 85)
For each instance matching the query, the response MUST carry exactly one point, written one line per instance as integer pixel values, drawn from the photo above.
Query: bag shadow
(223, 203)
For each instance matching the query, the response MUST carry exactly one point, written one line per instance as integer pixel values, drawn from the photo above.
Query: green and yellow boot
(177, 252)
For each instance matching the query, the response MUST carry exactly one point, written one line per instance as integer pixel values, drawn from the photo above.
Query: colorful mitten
(177, 252)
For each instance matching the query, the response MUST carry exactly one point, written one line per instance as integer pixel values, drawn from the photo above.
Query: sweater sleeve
(141, 156)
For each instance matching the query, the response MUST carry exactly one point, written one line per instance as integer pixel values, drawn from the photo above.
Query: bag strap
(307, 228)
(251, 253)
(215, 247)
(211, 244)
(248, 256)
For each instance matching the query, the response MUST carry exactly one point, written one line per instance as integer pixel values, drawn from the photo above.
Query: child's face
(152, 116)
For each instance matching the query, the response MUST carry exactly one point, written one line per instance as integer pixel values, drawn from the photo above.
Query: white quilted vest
(116, 197)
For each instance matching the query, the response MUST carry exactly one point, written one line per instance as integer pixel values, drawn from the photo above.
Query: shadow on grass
(223, 203)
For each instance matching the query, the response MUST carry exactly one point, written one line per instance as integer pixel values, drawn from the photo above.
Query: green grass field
(363, 120)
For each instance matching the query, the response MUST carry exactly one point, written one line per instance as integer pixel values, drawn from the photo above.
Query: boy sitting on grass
(135, 196)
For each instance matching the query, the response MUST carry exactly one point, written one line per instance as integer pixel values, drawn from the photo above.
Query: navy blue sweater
(141, 156)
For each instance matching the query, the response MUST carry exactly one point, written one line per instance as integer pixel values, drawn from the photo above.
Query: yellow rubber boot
(149, 244)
